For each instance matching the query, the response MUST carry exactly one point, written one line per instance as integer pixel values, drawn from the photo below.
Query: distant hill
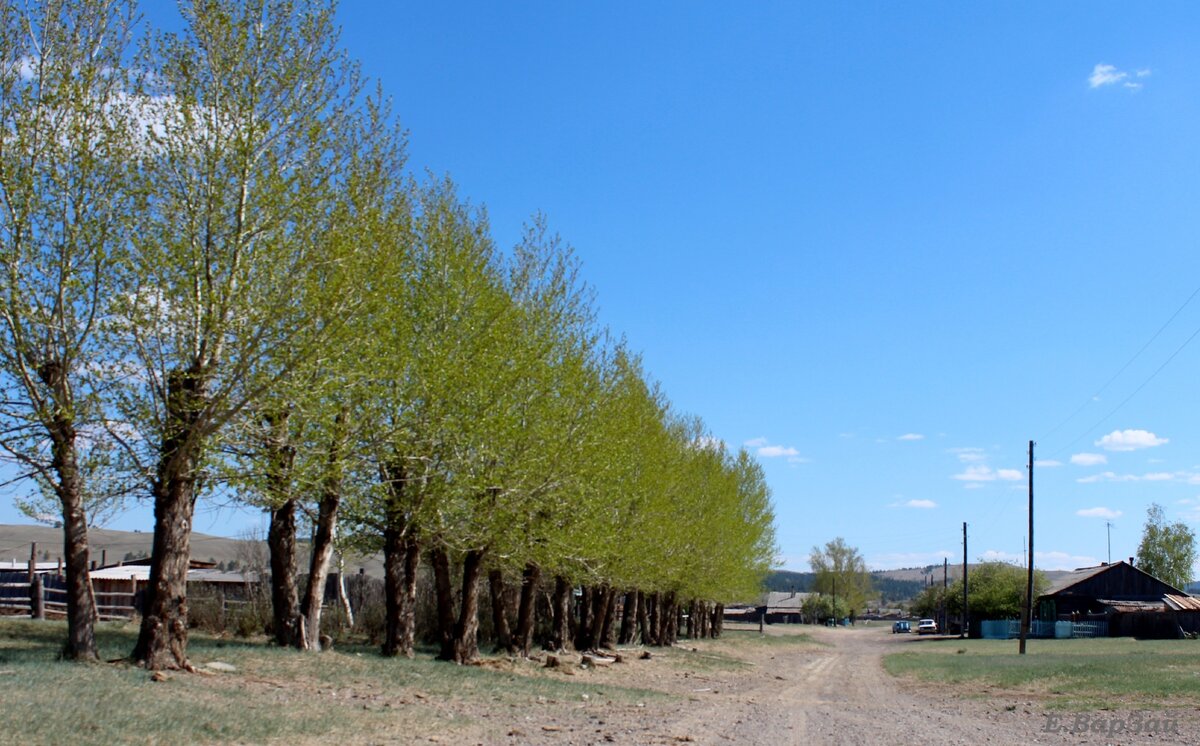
(893, 585)
(890, 588)
(110, 547)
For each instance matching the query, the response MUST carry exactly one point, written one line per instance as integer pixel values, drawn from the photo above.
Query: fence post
(37, 599)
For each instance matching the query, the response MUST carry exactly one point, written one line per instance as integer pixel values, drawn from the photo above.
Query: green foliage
(995, 590)
(1167, 550)
(840, 571)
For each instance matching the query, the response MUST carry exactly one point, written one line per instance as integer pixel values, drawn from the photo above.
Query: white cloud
(1089, 459)
(924, 504)
(1099, 512)
(1062, 560)
(1052, 560)
(982, 473)
(969, 455)
(911, 436)
(756, 442)
(799, 460)
(1103, 75)
(1185, 477)
(777, 451)
(709, 443)
(1130, 440)
(1143, 73)
(1047, 464)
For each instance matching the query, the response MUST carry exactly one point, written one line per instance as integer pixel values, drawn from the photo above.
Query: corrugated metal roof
(786, 602)
(1182, 603)
(1128, 606)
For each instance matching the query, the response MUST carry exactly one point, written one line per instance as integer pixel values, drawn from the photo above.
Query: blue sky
(882, 245)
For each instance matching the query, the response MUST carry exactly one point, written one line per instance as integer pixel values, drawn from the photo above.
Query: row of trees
(995, 590)
(219, 276)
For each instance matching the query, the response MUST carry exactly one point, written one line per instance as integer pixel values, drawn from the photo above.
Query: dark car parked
(901, 627)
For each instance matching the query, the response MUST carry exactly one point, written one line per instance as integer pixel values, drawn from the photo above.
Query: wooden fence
(45, 596)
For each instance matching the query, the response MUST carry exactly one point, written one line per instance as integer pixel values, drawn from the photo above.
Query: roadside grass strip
(1084, 674)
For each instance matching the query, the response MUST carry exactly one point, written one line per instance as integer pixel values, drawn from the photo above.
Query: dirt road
(838, 693)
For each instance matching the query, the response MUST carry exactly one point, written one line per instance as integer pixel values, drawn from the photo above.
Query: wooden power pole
(1027, 612)
(965, 617)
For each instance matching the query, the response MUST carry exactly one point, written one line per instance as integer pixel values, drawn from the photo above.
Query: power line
(1123, 368)
(1125, 401)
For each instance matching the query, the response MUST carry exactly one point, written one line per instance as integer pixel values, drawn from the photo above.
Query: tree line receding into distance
(220, 276)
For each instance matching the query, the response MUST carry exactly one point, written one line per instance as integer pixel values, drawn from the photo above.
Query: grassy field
(1069, 674)
(351, 694)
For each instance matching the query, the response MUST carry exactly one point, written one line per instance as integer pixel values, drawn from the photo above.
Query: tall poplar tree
(245, 154)
(66, 149)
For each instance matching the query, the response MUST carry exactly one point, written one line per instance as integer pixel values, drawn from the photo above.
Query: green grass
(1067, 674)
(274, 696)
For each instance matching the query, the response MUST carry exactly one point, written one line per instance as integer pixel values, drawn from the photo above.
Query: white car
(927, 627)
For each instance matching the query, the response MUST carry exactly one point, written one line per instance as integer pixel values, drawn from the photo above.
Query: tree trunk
(560, 632)
(500, 628)
(281, 536)
(162, 639)
(628, 619)
(718, 620)
(322, 542)
(281, 541)
(445, 601)
(608, 636)
(583, 630)
(693, 631)
(643, 616)
(670, 618)
(81, 604)
(402, 553)
(656, 619)
(466, 629)
(318, 568)
(526, 609)
(393, 592)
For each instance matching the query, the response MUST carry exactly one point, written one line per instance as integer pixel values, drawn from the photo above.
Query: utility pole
(1108, 525)
(945, 585)
(963, 633)
(1027, 613)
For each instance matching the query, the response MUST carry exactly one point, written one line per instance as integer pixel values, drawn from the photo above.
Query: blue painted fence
(1010, 629)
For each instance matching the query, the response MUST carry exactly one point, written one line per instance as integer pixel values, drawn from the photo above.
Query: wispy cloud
(1130, 440)
(1185, 477)
(1089, 459)
(1052, 560)
(1107, 75)
(923, 504)
(1048, 464)
(777, 451)
(764, 449)
(911, 436)
(1098, 512)
(969, 455)
(984, 473)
